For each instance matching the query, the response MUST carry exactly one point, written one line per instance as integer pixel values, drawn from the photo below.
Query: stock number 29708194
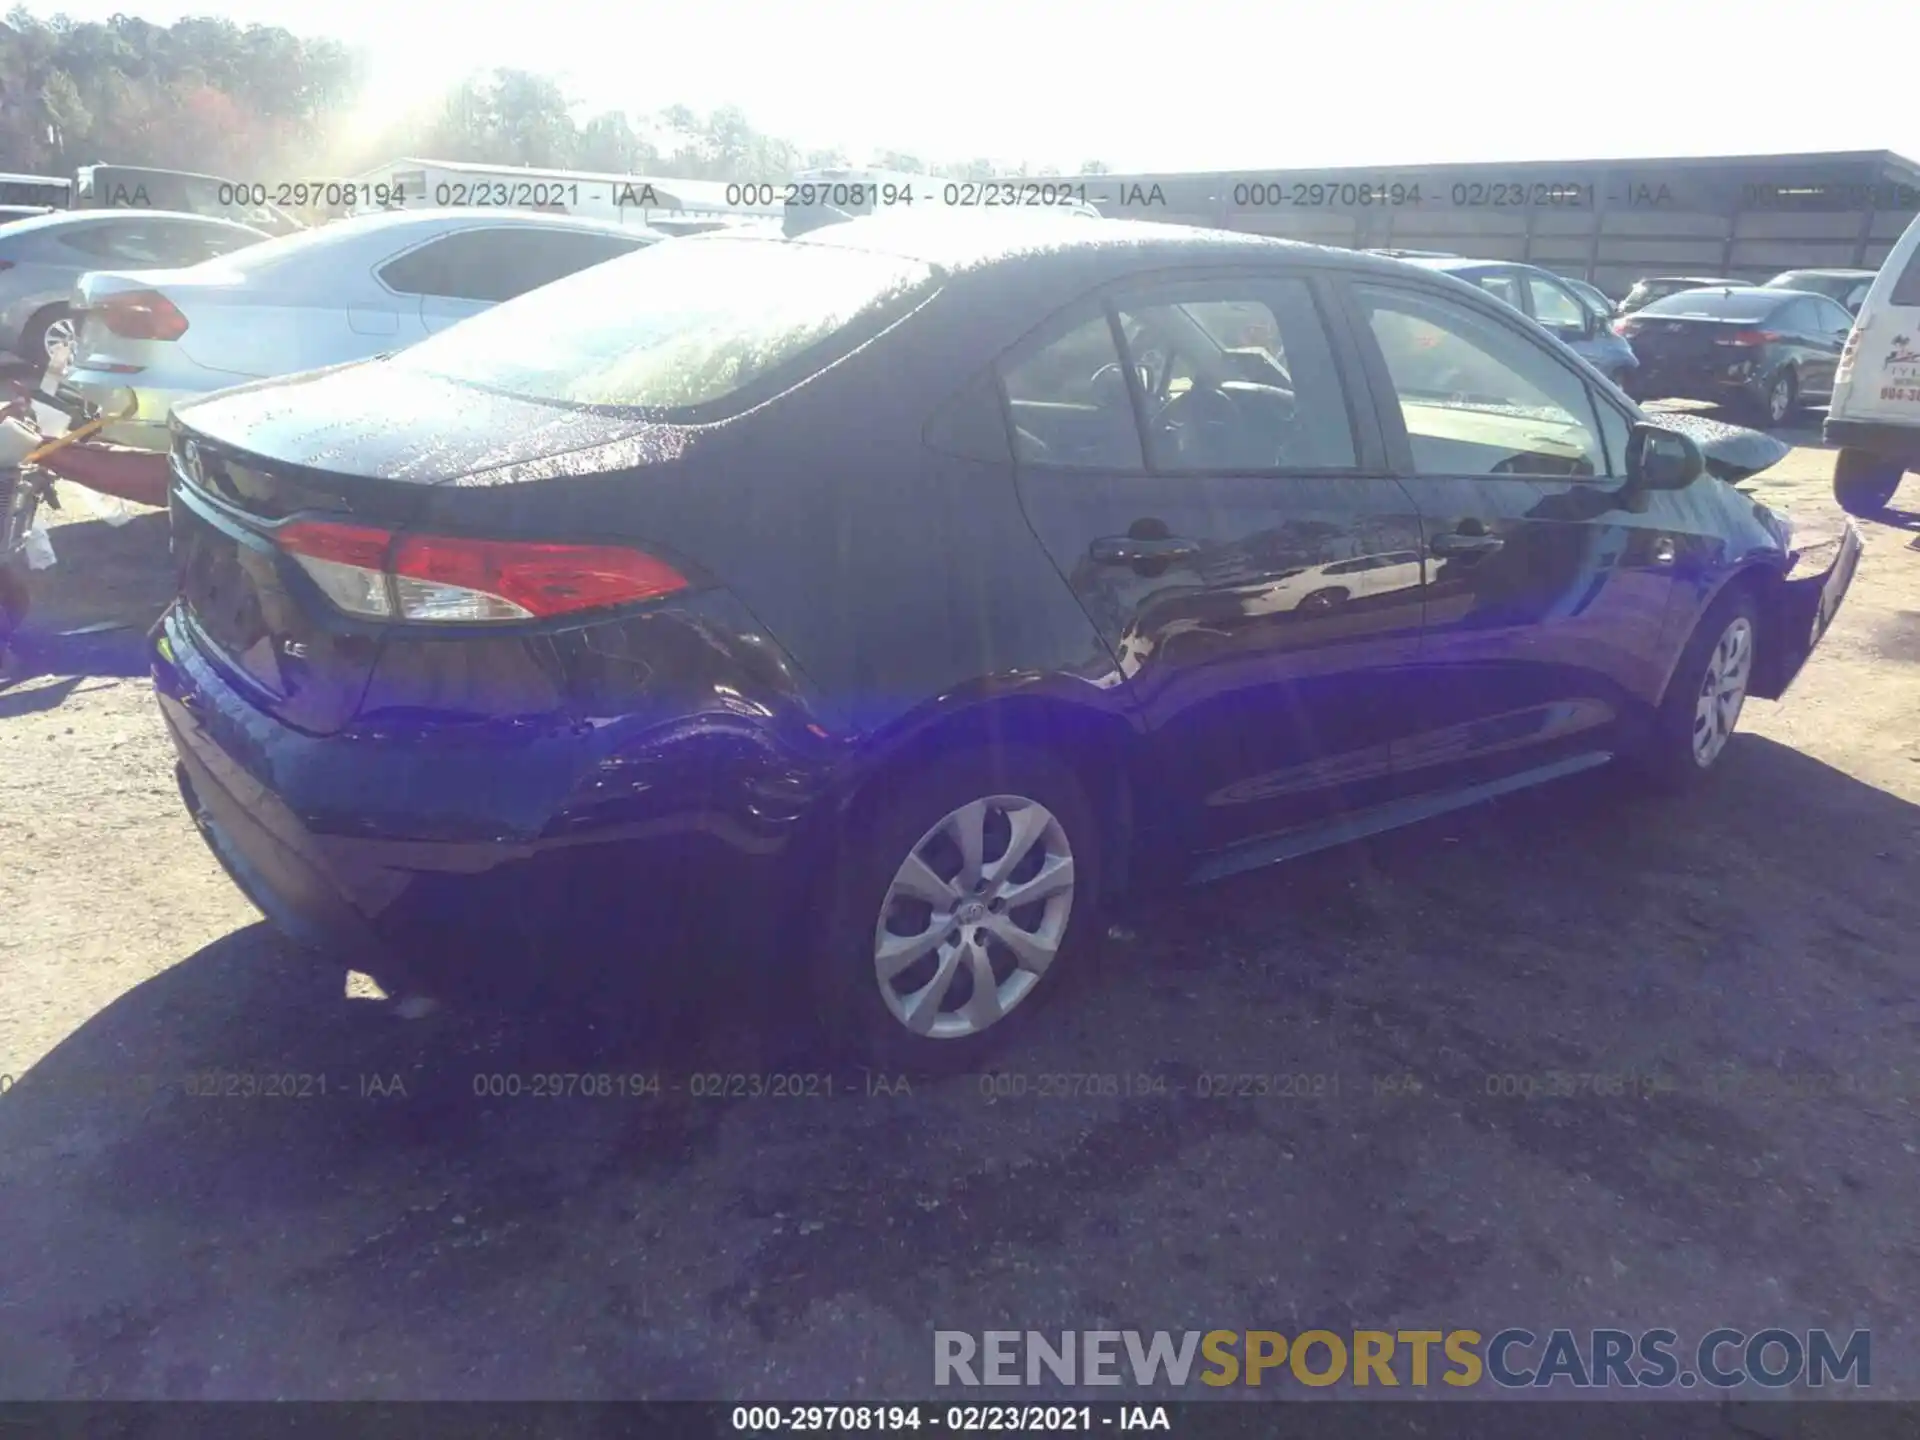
(1013, 1085)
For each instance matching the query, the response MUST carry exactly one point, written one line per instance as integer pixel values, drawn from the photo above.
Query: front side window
(1477, 396)
(1554, 307)
(679, 327)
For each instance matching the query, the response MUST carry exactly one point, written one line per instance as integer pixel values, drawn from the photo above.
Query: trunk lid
(354, 444)
(1684, 337)
(332, 421)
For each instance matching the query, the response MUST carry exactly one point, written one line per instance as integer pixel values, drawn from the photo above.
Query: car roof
(1462, 265)
(1713, 280)
(1777, 294)
(961, 240)
(1833, 274)
(61, 218)
(448, 216)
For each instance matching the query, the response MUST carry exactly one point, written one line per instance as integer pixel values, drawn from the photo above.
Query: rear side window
(139, 242)
(1237, 376)
(680, 326)
(1503, 287)
(1067, 396)
(191, 244)
(493, 265)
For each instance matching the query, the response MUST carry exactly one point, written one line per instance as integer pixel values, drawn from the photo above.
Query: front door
(1190, 456)
(1547, 585)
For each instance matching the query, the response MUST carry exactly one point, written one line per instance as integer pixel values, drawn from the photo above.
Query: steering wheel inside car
(1200, 426)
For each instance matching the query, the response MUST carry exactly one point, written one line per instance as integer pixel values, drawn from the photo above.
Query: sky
(1177, 85)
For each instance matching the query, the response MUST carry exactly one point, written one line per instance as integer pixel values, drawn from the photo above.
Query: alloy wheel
(1723, 691)
(1780, 398)
(975, 915)
(59, 340)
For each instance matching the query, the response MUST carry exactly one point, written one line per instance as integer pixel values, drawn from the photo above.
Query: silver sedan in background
(347, 291)
(42, 258)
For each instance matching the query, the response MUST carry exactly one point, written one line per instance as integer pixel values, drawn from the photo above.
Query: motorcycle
(30, 461)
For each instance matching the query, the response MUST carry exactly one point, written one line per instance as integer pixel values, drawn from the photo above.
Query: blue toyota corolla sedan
(891, 600)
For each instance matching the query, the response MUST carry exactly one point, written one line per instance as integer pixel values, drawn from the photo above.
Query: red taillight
(142, 315)
(1624, 326)
(1750, 337)
(451, 579)
(6, 264)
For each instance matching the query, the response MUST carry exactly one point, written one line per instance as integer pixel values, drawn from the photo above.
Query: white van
(1875, 414)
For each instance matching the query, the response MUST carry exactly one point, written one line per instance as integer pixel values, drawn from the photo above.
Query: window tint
(1068, 397)
(1857, 296)
(1237, 384)
(492, 265)
(126, 242)
(1748, 306)
(192, 244)
(681, 326)
(1834, 319)
(1478, 397)
(1554, 307)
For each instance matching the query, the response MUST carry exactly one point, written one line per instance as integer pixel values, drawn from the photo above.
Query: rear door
(1546, 593)
(1189, 453)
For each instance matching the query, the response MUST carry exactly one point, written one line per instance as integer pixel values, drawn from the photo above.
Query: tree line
(260, 102)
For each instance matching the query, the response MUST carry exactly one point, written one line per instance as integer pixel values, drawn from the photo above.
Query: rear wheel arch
(1096, 746)
(33, 335)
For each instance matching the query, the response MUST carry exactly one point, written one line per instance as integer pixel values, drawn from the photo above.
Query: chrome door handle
(1663, 550)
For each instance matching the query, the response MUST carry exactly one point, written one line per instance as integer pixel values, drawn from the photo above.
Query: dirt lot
(1757, 949)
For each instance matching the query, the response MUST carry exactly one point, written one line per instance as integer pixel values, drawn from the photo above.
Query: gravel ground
(1754, 948)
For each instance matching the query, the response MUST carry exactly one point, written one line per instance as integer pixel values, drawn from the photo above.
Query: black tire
(16, 601)
(892, 823)
(33, 336)
(1864, 484)
(1770, 409)
(1666, 757)
(1325, 599)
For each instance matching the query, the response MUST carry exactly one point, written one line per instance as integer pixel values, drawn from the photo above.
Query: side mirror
(1662, 459)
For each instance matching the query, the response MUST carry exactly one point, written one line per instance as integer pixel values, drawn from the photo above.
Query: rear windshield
(1717, 304)
(678, 326)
